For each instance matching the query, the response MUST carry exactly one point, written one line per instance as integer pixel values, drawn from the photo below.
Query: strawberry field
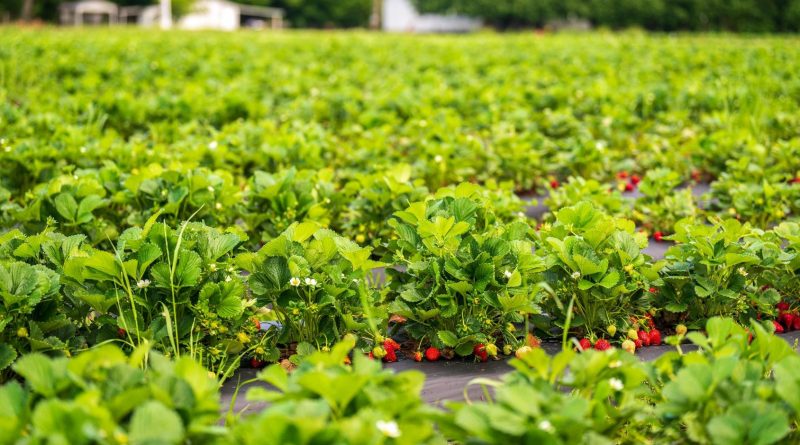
(177, 206)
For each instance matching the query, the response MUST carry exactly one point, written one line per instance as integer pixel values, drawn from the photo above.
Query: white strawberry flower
(212, 267)
(507, 274)
(616, 384)
(294, 281)
(546, 426)
(576, 275)
(141, 284)
(211, 188)
(742, 272)
(438, 159)
(212, 145)
(311, 282)
(388, 428)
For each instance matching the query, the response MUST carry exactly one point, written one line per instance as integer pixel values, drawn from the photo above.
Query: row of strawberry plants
(461, 280)
(102, 203)
(597, 106)
(739, 386)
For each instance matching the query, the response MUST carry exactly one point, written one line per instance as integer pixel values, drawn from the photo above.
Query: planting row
(460, 279)
(102, 203)
(477, 109)
(740, 386)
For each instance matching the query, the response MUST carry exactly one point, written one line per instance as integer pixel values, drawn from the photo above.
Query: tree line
(657, 15)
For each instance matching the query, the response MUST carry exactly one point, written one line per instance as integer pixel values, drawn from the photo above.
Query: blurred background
(758, 16)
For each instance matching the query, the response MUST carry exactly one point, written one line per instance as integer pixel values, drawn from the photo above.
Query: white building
(228, 16)
(88, 12)
(209, 14)
(402, 16)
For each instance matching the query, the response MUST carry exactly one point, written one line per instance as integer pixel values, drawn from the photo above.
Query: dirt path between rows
(446, 380)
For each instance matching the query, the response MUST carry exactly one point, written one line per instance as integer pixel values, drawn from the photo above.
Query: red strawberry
(390, 356)
(622, 175)
(390, 345)
(480, 352)
(655, 337)
(782, 306)
(644, 337)
(121, 332)
(602, 344)
(585, 344)
(554, 184)
(371, 355)
(796, 323)
(432, 354)
(787, 319)
(629, 187)
(257, 322)
(653, 290)
(635, 179)
(256, 363)
(418, 356)
(795, 180)
(696, 175)
(658, 236)
(532, 340)
(638, 343)
(778, 327)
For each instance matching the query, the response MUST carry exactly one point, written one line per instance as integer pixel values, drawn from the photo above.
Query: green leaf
(448, 338)
(7, 355)
(102, 266)
(153, 423)
(86, 207)
(66, 206)
(41, 374)
(271, 275)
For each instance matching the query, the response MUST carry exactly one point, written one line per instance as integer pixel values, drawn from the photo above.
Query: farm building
(88, 12)
(402, 16)
(205, 14)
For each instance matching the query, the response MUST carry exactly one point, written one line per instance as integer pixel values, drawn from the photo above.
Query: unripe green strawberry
(491, 350)
(22, 332)
(507, 349)
(378, 352)
(632, 334)
(522, 351)
(680, 329)
(612, 330)
(629, 346)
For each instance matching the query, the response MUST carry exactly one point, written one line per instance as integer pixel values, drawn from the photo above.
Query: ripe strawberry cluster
(788, 319)
(387, 352)
(628, 182)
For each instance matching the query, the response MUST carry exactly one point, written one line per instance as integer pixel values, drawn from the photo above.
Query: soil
(445, 380)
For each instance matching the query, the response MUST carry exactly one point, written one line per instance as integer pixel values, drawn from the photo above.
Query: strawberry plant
(272, 202)
(462, 277)
(595, 265)
(177, 288)
(713, 270)
(662, 204)
(372, 199)
(578, 189)
(324, 400)
(600, 400)
(104, 396)
(315, 282)
(719, 394)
